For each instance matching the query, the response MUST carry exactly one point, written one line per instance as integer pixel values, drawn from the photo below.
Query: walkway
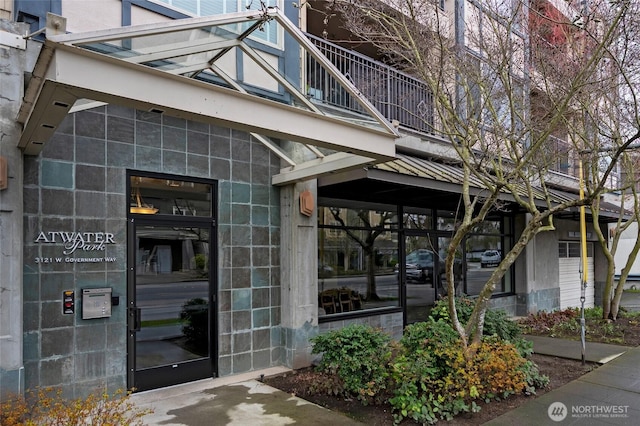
(234, 401)
(609, 395)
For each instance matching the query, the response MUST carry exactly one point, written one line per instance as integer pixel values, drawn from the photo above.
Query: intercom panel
(96, 303)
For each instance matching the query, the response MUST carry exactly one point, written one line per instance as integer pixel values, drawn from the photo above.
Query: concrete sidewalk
(572, 349)
(237, 401)
(609, 395)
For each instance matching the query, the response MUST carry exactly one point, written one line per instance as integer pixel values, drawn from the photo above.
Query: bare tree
(608, 121)
(504, 84)
(610, 239)
(366, 240)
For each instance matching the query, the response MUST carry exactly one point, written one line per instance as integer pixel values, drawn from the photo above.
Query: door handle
(135, 319)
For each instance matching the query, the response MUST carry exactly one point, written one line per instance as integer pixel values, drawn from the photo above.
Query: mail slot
(96, 303)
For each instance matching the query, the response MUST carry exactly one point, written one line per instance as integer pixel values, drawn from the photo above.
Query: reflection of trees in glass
(490, 238)
(199, 257)
(366, 239)
(487, 227)
(195, 315)
(482, 242)
(417, 221)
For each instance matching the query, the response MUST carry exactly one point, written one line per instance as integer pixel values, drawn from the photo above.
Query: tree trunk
(454, 243)
(624, 274)
(372, 291)
(475, 326)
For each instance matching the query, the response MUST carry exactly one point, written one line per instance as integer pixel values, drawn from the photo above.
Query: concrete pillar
(537, 272)
(13, 58)
(524, 273)
(299, 278)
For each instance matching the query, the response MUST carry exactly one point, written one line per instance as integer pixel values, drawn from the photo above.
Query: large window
(485, 249)
(360, 266)
(155, 196)
(268, 34)
(357, 256)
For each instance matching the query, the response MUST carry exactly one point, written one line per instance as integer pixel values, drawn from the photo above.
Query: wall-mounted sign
(76, 244)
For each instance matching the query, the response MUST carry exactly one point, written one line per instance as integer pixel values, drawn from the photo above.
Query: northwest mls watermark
(557, 411)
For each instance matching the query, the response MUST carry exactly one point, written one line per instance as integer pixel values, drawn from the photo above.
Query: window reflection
(169, 197)
(417, 220)
(359, 264)
(447, 220)
(356, 259)
(484, 252)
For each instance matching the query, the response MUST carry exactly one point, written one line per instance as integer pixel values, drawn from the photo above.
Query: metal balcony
(559, 154)
(396, 95)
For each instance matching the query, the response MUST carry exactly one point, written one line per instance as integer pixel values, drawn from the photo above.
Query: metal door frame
(132, 320)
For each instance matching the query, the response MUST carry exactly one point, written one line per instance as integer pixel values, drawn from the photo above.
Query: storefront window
(357, 259)
(485, 249)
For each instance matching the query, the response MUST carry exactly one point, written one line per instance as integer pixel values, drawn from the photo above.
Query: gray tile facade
(78, 183)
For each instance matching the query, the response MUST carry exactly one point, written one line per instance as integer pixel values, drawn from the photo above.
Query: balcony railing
(560, 155)
(396, 95)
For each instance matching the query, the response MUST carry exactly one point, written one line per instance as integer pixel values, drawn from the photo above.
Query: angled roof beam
(76, 74)
(102, 66)
(264, 140)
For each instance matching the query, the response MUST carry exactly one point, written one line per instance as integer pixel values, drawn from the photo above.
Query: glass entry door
(421, 276)
(424, 273)
(170, 302)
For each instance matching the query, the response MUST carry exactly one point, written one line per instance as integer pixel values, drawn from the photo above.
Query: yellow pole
(583, 229)
(583, 251)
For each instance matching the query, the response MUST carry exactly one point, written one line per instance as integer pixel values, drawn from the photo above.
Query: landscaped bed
(325, 387)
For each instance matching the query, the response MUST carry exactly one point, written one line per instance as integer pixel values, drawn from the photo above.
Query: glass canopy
(218, 69)
(222, 50)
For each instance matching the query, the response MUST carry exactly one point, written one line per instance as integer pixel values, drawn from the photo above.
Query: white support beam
(52, 106)
(75, 73)
(334, 163)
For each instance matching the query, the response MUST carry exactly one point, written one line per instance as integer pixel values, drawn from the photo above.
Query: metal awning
(412, 180)
(428, 174)
(189, 68)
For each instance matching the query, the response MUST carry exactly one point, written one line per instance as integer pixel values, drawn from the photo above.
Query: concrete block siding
(538, 300)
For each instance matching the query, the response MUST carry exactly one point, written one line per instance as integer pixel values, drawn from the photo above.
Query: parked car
(490, 258)
(422, 265)
(413, 273)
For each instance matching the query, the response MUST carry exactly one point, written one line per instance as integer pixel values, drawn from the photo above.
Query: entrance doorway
(170, 299)
(424, 274)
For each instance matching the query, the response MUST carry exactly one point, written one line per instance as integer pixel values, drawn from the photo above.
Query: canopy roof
(415, 181)
(206, 69)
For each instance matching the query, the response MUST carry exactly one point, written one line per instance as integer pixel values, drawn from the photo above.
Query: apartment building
(196, 189)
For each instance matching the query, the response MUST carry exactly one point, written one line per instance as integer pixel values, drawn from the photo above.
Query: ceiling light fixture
(140, 207)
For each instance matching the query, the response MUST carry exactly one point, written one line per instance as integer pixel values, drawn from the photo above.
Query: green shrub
(625, 313)
(45, 406)
(594, 313)
(426, 372)
(358, 354)
(534, 379)
(496, 321)
(427, 334)
(435, 381)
